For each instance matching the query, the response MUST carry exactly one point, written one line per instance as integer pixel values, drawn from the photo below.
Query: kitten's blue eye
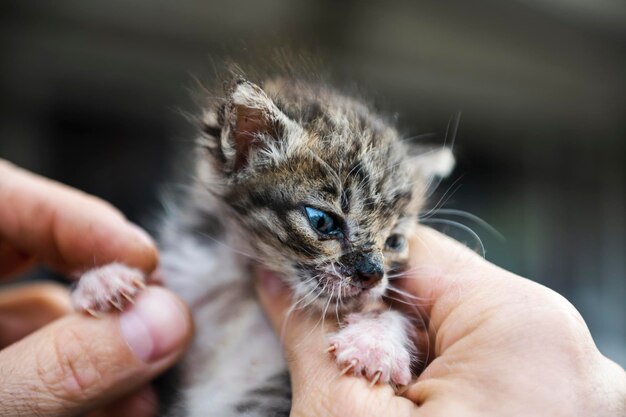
(322, 222)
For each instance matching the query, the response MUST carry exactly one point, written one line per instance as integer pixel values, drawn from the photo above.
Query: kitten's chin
(346, 297)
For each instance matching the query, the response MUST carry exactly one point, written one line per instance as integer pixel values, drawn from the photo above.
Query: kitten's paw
(374, 345)
(110, 286)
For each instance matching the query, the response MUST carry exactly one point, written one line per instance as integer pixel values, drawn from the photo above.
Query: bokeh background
(91, 94)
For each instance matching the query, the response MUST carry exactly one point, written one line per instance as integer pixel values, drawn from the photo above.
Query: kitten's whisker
(421, 136)
(441, 201)
(408, 295)
(293, 307)
(305, 338)
(411, 274)
(403, 273)
(430, 189)
(330, 299)
(456, 120)
(314, 290)
(474, 218)
(320, 319)
(417, 315)
(405, 302)
(408, 277)
(337, 301)
(305, 283)
(462, 227)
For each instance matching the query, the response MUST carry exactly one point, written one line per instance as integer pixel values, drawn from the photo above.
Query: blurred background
(91, 94)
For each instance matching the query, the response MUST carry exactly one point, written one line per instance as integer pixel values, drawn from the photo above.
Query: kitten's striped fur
(269, 150)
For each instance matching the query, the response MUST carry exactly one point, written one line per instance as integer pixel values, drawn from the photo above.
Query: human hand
(502, 346)
(76, 363)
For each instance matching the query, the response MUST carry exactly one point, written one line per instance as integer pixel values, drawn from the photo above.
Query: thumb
(275, 297)
(441, 269)
(302, 334)
(318, 388)
(79, 362)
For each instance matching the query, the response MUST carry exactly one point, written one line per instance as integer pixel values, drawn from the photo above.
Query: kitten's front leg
(106, 287)
(376, 345)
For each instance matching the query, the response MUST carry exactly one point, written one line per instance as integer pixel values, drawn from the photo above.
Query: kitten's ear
(429, 166)
(431, 163)
(249, 120)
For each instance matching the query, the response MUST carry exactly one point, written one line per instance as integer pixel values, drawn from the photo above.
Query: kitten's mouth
(323, 290)
(345, 289)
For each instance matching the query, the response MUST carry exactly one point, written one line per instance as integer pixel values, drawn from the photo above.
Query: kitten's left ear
(429, 163)
(251, 120)
(429, 166)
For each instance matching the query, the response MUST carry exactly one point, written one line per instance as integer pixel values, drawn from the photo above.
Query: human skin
(54, 362)
(503, 346)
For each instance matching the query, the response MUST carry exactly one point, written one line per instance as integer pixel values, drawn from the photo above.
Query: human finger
(142, 403)
(65, 228)
(79, 363)
(318, 387)
(26, 308)
(14, 262)
(444, 273)
(439, 264)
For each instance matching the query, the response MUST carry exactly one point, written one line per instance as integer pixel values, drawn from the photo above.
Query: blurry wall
(91, 94)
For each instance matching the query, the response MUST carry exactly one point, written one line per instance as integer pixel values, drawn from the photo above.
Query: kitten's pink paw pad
(107, 287)
(368, 346)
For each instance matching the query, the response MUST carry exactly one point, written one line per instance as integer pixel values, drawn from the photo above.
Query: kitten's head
(324, 188)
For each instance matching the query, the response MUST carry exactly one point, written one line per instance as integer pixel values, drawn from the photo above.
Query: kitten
(308, 183)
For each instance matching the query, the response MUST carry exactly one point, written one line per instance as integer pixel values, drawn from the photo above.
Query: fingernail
(270, 282)
(155, 326)
(142, 234)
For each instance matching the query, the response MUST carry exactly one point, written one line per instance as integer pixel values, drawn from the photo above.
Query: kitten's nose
(369, 269)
